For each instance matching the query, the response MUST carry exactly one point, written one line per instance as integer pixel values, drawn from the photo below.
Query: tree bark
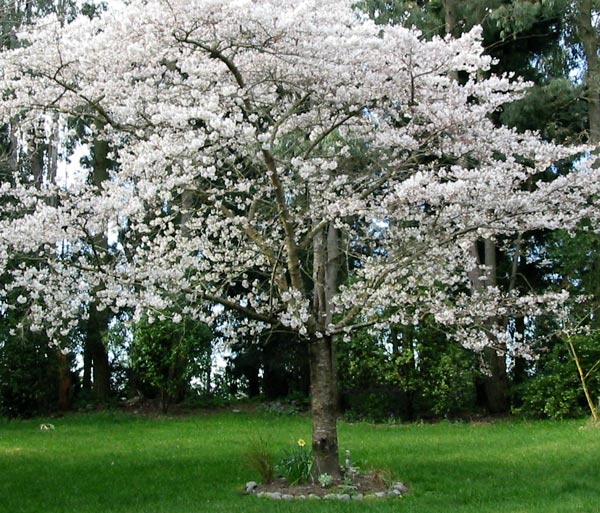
(450, 16)
(97, 325)
(324, 417)
(86, 382)
(323, 379)
(589, 39)
(496, 383)
(98, 321)
(332, 271)
(65, 383)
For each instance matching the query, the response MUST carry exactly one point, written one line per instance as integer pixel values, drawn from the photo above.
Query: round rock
(401, 487)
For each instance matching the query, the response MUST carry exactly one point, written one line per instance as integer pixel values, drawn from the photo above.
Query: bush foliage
(555, 392)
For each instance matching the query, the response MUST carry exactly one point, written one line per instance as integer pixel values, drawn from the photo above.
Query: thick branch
(255, 237)
(215, 53)
(288, 228)
(248, 312)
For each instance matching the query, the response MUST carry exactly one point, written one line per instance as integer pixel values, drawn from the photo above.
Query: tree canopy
(260, 147)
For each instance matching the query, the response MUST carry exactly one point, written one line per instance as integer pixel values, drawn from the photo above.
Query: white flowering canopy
(244, 134)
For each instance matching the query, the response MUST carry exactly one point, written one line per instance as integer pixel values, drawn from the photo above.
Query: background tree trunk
(588, 35)
(98, 321)
(450, 16)
(97, 325)
(65, 382)
(496, 385)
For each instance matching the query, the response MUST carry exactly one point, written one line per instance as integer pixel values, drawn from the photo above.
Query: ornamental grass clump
(296, 464)
(259, 458)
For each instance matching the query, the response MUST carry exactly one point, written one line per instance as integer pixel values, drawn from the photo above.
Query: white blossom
(239, 129)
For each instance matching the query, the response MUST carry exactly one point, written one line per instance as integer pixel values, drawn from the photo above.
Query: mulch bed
(362, 484)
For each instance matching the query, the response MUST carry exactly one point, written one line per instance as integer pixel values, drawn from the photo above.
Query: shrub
(555, 391)
(28, 376)
(410, 373)
(165, 355)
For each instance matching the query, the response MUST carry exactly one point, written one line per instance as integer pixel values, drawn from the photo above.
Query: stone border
(396, 491)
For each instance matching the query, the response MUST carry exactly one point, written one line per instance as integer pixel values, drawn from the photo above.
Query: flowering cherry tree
(290, 161)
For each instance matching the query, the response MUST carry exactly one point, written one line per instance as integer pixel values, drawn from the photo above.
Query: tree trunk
(497, 386)
(589, 39)
(253, 382)
(496, 383)
(65, 383)
(324, 416)
(332, 271)
(164, 400)
(520, 367)
(450, 16)
(98, 321)
(86, 383)
(97, 325)
(323, 379)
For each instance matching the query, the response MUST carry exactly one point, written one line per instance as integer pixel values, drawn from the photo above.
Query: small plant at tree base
(349, 470)
(259, 458)
(347, 488)
(325, 480)
(296, 464)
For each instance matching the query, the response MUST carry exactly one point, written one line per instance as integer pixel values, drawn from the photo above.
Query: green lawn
(112, 462)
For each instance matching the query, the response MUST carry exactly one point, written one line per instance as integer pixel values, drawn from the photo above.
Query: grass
(116, 463)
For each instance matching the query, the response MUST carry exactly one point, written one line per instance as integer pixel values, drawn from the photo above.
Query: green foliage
(447, 372)
(364, 362)
(28, 375)
(216, 398)
(556, 109)
(515, 17)
(375, 405)
(296, 464)
(165, 355)
(427, 16)
(274, 364)
(414, 372)
(555, 391)
(574, 265)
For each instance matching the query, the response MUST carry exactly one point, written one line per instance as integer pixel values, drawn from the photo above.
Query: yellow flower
(301, 442)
